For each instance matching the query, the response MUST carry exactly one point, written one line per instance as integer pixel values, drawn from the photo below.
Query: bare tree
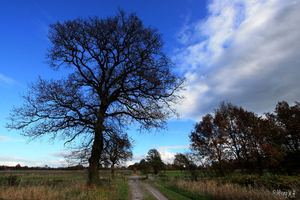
(118, 150)
(119, 76)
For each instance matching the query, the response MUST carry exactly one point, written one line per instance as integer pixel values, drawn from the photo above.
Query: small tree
(144, 166)
(154, 159)
(181, 161)
(18, 166)
(193, 159)
(118, 150)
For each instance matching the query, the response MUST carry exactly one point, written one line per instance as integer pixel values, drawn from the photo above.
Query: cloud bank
(13, 160)
(246, 52)
(167, 152)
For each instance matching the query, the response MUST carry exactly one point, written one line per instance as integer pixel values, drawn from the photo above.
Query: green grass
(46, 184)
(147, 194)
(174, 173)
(123, 189)
(168, 193)
(179, 174)
(184, 193)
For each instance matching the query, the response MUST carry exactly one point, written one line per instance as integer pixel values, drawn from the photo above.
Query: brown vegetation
(226, 191)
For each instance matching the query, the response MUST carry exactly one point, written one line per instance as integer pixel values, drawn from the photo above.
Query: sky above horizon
(246, 52)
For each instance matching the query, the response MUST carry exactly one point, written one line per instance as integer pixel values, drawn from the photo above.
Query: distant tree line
(46, 167)
(152, 163)
(233, 138)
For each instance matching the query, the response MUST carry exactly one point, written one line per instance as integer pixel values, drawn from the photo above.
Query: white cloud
(8, 139)
(11, 163)
(131, 162)
(60, 154)
(139, 157)
(245, 52)
(13, 160)
(4, 80)
(4, 138)
(166, 153)
(57, 163)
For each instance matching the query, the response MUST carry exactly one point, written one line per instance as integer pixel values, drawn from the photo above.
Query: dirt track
(137, 193)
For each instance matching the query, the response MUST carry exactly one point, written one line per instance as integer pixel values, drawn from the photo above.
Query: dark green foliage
(154, 160)
(271, 182)
(144, 166)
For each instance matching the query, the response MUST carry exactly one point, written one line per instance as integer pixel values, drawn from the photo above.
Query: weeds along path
(138, 194)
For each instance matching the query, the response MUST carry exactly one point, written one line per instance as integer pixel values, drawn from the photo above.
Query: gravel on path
(136, 192)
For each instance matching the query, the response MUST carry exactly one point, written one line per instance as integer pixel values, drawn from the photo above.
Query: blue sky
(246, 52)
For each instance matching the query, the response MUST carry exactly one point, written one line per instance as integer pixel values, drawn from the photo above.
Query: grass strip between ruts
(175, 193)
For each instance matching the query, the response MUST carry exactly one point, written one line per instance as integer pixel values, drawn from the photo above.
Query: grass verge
(185, 194)
(226, 191)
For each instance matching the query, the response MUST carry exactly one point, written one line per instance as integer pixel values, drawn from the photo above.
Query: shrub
(271, 182)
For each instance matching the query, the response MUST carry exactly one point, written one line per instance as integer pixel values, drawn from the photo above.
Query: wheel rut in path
(136, 192)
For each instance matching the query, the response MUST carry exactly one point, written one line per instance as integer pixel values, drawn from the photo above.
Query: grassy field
(49, 184)
(179, 174)
(237, 187)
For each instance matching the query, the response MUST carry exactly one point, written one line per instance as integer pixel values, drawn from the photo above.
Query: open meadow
(231, 187)
(52, 184)
(71, 184)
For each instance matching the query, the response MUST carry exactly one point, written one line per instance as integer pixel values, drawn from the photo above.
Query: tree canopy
(239, 138)
(181, 161)
(154, 159)
(119, 76)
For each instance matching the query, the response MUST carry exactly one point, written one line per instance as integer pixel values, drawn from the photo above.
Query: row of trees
(45, 167)
(234, 138)
(152, 163)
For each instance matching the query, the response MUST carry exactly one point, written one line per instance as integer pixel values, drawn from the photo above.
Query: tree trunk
(113, 172)
(93, 172)
(222, 173)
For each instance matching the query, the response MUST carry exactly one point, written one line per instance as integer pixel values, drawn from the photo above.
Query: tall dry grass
(69, 190)
(226, 191)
